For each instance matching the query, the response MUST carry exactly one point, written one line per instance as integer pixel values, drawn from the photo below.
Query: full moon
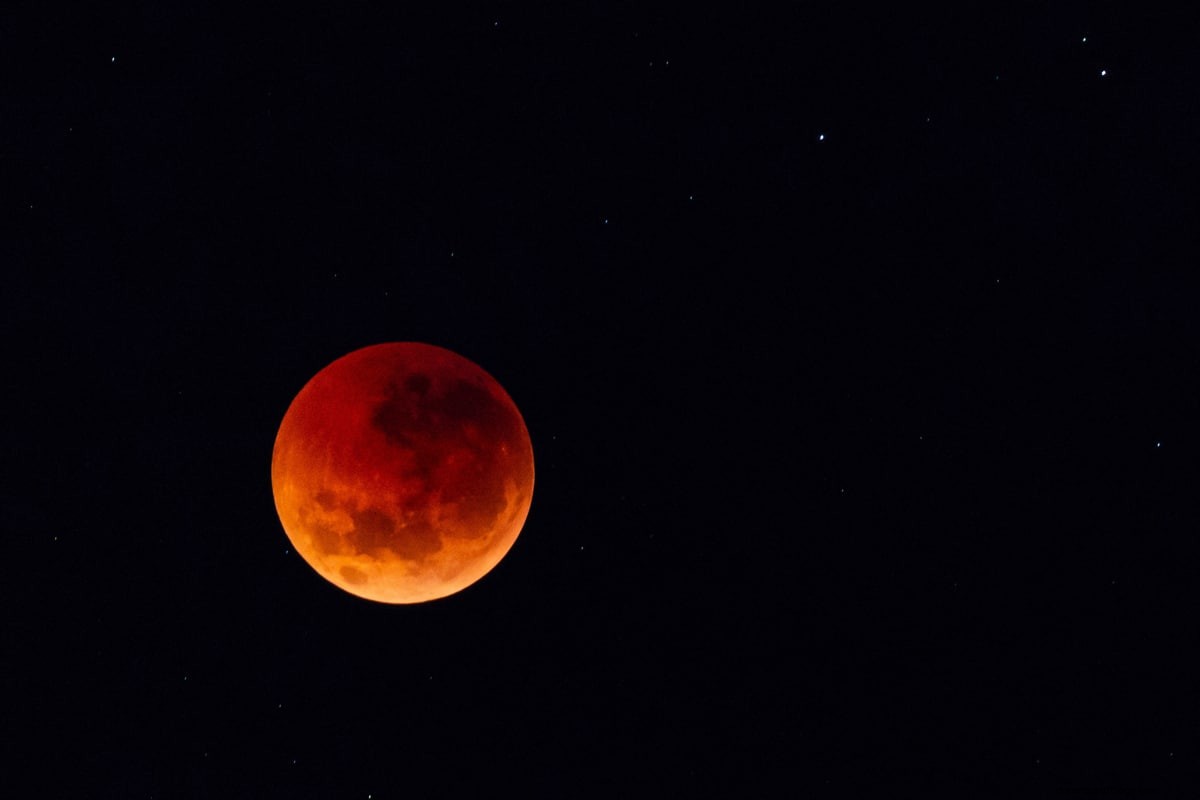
(402, 472)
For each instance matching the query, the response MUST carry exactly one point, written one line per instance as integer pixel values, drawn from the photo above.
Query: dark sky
(859, 353)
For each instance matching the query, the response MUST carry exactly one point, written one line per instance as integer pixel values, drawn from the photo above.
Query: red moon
(402, 472)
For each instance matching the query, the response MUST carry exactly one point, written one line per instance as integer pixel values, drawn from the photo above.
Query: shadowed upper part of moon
(457, 433)
(458, 413)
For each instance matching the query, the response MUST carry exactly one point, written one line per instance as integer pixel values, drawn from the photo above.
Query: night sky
(859, 351)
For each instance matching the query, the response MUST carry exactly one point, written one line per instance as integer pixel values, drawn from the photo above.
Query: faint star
(1103, 72)
(820, 137)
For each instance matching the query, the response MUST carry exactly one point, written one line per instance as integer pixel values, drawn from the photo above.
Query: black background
(861, 460)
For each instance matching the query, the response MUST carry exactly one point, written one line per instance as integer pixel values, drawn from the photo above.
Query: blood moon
(402, 472)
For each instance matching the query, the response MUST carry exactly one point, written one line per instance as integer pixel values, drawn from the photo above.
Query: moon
(402, 472)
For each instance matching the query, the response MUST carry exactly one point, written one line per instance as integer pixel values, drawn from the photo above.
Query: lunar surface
(402, 472)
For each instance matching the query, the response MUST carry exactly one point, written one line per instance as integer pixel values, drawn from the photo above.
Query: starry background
(858, 350)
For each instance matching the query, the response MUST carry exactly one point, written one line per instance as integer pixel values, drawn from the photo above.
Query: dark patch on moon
(418, 384)
(353, 575)
(325, 539)
(415, 540)
(440, 420)
(373, 530)
(468, 404)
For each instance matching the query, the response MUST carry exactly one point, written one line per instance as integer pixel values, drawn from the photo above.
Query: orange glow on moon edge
(402, 472)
